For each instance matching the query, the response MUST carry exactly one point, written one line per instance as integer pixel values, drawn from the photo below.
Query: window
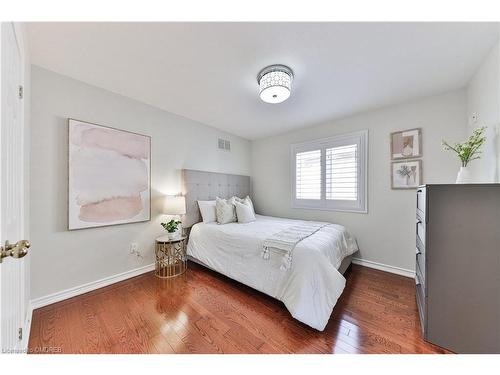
(330, 173)
(342, 173)
(308, 179)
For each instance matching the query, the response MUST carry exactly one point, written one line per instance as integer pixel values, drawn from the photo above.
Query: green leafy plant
(470, 149)
(171, 226)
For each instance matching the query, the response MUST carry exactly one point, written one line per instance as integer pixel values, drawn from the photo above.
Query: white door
(13, 307)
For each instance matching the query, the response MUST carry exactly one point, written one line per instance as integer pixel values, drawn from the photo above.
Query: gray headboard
(205, 186)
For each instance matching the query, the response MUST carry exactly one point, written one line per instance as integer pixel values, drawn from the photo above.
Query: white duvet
(309, 289)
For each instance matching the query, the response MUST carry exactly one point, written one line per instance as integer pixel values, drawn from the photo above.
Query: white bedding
(309, 289)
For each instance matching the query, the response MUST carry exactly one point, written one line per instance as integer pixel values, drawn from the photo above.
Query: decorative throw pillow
(235, 199)
(225, 211)
(246, 201)
(250, 203)
(244, 212)
(207, 210)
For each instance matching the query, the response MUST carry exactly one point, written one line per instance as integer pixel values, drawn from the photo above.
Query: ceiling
(207, 71)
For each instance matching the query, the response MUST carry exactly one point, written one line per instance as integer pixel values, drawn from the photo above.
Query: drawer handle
(419, 190)
(417, 251)
(417, 280)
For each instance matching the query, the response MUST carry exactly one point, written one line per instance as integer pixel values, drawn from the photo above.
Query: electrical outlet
(134, 248)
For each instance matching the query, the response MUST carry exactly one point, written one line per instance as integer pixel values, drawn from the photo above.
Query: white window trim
(359, 206)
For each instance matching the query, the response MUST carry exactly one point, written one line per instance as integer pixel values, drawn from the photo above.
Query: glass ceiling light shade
(275, 83)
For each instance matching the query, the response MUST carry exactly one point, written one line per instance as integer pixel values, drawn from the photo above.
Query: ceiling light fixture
(275, 83)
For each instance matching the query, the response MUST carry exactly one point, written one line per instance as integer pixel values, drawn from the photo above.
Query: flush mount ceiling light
(275, 83)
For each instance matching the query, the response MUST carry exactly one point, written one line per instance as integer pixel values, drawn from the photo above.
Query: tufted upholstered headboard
(204, 186)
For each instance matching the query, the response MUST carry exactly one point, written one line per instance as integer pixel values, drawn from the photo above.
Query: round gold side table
(171, 258)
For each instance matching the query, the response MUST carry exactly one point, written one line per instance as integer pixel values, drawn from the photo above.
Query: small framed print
(406, 174)
(406, 144)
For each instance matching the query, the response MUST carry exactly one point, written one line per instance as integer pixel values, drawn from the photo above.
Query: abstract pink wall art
(109, 176)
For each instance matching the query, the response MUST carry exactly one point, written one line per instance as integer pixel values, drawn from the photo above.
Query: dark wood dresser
(458, 266)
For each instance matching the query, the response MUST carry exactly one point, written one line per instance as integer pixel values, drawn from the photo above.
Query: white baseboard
(27, 328)
(384, 267)
(85, 288)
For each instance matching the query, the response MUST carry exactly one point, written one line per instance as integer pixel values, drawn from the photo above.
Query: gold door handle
(17, 250)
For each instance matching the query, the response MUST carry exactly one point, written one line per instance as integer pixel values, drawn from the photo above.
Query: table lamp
(174, 206)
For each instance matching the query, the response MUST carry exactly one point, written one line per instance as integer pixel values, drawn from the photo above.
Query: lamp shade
(175, 205)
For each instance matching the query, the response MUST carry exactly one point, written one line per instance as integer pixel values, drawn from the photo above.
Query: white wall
(62, 259)
(387, 233)
(483, 101)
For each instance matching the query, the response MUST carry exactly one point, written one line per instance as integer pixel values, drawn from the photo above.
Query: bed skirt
(343, 266)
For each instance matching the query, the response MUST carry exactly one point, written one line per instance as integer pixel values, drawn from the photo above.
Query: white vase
(464, 176)
(173, 235)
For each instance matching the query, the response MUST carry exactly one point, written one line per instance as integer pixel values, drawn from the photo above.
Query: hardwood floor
(204, 312)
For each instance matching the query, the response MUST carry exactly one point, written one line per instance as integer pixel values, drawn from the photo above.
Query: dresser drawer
(419, 245)
(420, 230)
(421, 202)
(420, 261)
(421, 302)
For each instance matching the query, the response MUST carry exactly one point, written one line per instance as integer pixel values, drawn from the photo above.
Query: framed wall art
(109, 176)
(406, 144)
(406, 174)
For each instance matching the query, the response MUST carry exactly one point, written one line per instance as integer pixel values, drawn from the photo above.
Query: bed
(314, 282)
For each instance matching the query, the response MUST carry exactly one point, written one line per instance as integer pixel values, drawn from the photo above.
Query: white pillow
(250, 203)
(225, 211)
(235, 199)
(207, 210)
(244, 212)
(246, 201)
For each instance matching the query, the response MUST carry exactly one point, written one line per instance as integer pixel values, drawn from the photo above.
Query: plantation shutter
(330, 173)
(342, 173)
(308, 175)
